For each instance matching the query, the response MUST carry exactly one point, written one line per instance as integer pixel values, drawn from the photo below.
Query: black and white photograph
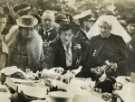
(67, 51)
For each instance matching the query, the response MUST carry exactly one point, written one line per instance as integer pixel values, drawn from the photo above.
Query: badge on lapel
(94, 53)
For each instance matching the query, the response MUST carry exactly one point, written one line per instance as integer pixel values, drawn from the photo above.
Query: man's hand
(98, 70)
(114, 66)
(103, 77)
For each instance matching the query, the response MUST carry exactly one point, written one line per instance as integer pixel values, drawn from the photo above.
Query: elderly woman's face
(66, 36)
(105, 30)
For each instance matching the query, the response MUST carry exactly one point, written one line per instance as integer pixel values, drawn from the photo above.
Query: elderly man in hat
(27, 49)
(86, 20)
(86, 23)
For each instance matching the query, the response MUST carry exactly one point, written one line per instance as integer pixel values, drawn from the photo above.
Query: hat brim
(34, 22)
(83, 15)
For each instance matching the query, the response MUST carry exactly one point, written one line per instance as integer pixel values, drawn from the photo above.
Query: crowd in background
(48, 24)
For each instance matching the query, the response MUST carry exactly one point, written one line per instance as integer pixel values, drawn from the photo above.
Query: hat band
(27, 21)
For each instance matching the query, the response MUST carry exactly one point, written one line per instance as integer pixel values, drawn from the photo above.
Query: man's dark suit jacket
(59, 57)
(49, 35)
(113, 49)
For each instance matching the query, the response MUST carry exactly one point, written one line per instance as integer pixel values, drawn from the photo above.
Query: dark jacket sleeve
(87, 59)
(123, 61)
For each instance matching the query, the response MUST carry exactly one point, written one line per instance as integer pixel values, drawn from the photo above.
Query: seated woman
(68, 53)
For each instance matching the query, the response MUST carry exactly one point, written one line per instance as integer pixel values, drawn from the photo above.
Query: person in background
(48, 28)
(27, 49)
(86, 23)
(131, 46)
(131, 28)
(3, 45)
(79, 35)
(62, 18)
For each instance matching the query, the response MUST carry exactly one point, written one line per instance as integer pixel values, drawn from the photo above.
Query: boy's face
(66, 36)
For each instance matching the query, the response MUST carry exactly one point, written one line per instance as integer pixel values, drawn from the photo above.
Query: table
(73, 88)
(4, 96)
(86, 95)
(128, 91)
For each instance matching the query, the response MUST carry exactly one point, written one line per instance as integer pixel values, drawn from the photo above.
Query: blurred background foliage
(126, 8)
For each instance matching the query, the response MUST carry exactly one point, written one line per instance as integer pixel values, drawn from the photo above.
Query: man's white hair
(48, 14)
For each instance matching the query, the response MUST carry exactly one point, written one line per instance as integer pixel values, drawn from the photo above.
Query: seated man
(107, 47)
(66, 52)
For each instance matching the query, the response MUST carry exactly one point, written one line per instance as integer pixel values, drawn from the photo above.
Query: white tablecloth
(128, 91)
